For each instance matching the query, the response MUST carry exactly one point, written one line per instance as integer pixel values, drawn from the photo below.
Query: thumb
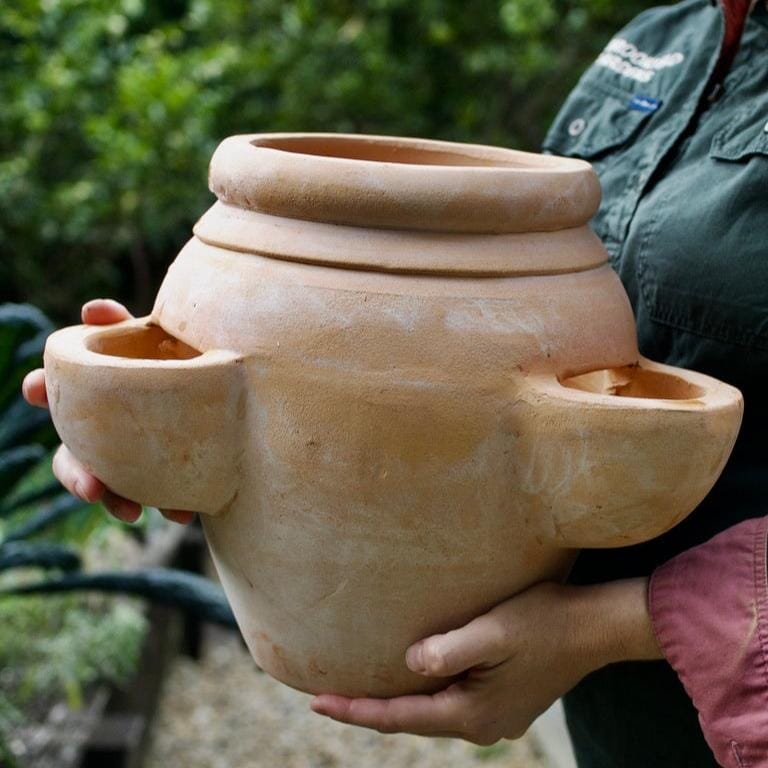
(482, 642)
(103, 312)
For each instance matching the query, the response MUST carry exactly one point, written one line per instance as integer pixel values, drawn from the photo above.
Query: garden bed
(112, 725)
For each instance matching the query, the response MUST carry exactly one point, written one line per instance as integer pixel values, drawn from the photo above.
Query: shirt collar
(763, 4)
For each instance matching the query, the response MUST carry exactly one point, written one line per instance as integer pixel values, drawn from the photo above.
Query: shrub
(111, 109)
(59, 632)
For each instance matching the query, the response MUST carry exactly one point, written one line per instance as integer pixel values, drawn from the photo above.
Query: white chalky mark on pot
(480, 315)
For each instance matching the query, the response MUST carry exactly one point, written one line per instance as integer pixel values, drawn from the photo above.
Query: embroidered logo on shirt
(628, 60)
(644, 103)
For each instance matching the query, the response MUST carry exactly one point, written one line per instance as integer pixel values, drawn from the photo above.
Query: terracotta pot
(401, 383)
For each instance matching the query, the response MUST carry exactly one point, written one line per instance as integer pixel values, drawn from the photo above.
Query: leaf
(30, 352)
(189, 592)
(26, 319)
(20, 421)
(15, 462)
(52, 513)
(73, 691)
(24, 554)
(19, 324)
(41, 493)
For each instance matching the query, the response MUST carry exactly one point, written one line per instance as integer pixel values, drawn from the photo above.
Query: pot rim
(406, 184)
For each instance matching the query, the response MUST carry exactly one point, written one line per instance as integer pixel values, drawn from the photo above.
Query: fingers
(181, 516)
(33, 388)
(482, 642)
(96, 312)
(122, 509)
(438, 715)
(75, 477)
(81, 483)
(104, 312)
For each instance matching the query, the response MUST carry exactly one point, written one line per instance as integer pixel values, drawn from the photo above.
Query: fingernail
(119, 509)
(79, 490)
(414, 658)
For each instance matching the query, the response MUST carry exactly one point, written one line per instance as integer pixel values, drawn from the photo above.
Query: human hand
(69, 471)
(514, 662)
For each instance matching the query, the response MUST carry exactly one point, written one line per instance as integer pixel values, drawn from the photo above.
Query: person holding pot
(660, 649)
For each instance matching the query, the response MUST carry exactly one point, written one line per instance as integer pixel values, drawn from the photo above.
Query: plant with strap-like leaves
(26, 436)
(43, 532)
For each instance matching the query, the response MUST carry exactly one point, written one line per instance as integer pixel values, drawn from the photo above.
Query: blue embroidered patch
(644, 103)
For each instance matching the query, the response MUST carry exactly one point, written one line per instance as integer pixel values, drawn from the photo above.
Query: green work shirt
(684, 218)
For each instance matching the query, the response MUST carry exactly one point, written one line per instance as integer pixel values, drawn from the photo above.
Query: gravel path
(223, 713)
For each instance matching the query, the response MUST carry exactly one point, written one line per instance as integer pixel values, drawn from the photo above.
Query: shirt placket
(650, 155)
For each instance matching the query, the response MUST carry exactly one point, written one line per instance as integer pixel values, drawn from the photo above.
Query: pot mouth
(385, 149)
(407, 184)
(148, 342)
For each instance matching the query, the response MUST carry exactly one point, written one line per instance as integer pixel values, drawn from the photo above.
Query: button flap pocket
(597, 118)
(745, 136)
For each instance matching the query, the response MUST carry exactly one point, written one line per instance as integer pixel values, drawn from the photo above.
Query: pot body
(384, 495)
(407, 440)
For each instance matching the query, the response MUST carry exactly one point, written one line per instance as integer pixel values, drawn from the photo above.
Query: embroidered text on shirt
(628, 60)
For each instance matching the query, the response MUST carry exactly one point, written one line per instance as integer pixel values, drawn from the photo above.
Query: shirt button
(577, 126)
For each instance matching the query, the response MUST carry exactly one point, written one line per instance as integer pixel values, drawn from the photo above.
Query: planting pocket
(154, 419)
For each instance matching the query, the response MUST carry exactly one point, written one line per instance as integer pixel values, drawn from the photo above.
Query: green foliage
(26, 433)
(62, 645)
(43, 518)
(16, 462)
(111, 109)
(53, 647)
(21, 554)
(10, 718)
(30, 493)
(493, 752)
(24, 329)
(164, 586)
(56, 645)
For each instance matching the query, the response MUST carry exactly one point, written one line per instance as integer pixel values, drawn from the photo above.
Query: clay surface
(401, 383)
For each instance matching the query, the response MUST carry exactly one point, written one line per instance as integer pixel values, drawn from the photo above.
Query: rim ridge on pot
(402, 205)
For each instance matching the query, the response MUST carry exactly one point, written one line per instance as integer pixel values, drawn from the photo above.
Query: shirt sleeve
(709, 608)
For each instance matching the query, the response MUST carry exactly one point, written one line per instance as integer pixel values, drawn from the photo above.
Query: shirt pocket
(596, 120)
(603, 124)
(744, 138)
(703, 262)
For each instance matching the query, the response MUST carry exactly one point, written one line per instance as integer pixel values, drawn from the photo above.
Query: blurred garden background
(109, 113)
(110, 109)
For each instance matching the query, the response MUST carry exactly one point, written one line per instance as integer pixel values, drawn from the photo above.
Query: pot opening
(148, 343)
(634, 381)
(407, 152)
